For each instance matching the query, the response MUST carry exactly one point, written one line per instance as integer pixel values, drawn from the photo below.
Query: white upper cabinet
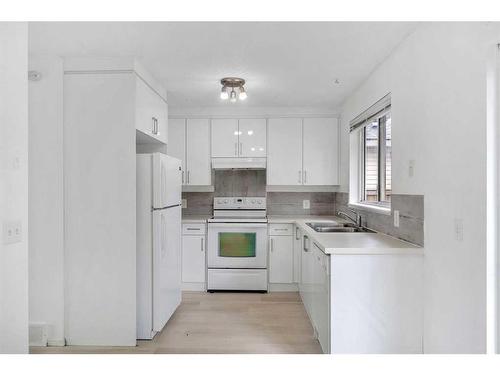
(320, 151)
(284, 154)
(198, 170)
(252, 137)
(224, 138)
(177, 142)
(151, 112)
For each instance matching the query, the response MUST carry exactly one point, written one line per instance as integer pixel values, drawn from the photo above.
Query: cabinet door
(320, 151)
(281, 259)
(224, 138)
(306, 275)
(284, 151)
(297, 250)
(193, 259)
(146, 105)
(321, 297)
(198, 152)
(162, 112)
(176, 146)
(252, 137)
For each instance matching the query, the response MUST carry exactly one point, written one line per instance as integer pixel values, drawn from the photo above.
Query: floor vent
(38, 334)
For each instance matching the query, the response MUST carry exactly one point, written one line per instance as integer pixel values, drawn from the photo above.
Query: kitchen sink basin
(334, 227)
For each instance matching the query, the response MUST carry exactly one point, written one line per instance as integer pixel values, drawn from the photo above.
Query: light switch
(12, 232)
(411, 168)
(184, 203)
(396, 218)
(306, 204)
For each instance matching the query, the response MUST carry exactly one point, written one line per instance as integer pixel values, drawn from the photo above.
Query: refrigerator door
(167, 181)
(166, 265)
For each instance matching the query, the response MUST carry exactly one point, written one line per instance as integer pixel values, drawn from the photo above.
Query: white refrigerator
(159, 180)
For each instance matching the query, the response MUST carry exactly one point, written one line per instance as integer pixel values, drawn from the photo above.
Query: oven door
(237, 245)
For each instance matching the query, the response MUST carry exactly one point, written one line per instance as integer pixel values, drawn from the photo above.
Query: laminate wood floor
(224, 323)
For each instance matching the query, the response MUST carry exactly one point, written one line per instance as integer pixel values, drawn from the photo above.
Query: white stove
(237, 244)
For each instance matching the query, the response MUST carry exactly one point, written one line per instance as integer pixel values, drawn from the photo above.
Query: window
(373, 129)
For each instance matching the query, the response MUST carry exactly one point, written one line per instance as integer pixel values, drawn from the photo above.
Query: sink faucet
(356, 219)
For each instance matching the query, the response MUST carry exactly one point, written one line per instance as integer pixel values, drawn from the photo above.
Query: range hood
(239, 163)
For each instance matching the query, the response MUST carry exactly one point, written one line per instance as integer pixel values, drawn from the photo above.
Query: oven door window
(237, 245)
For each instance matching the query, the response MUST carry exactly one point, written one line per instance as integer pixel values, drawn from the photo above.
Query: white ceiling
(285, 64)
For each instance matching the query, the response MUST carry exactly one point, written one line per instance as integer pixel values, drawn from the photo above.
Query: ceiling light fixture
(230, 86)
(223, 94)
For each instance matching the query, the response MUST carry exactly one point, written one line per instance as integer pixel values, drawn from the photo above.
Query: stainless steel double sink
(335, 227)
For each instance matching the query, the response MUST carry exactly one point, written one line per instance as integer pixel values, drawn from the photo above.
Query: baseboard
(56, 342)
(283, 287)
(194, 287)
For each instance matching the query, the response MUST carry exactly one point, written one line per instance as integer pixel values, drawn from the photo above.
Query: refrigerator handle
(202, 244)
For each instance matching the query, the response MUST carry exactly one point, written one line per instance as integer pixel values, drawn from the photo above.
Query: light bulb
(233, 96)
(223, 94)
(243, 94)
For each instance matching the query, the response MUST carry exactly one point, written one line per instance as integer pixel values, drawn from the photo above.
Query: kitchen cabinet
(281, 259)
(302, 151)
(284, 154)
(225, 138)
(193, 258)
(252, 137)
(198, 171)
(239, 138)
(297, 250)
(177, 145)
(307, 276)
(321, 297)
(189, 141)
(320, 151)
(151, 111)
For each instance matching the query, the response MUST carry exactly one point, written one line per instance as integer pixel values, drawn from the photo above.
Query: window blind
(374, 110)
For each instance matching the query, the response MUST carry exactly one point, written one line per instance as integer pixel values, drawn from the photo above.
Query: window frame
(381, 202)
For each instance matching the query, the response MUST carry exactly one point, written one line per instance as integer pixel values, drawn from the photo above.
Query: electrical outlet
(459, 229)
(12, 232)
(184, 203)
(396, 218)
(306, 204)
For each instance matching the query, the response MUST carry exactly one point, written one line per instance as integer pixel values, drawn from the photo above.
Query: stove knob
(225, 201)
(253, 201)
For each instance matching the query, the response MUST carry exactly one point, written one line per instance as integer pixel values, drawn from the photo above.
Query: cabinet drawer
(280, 229)
(193, 229)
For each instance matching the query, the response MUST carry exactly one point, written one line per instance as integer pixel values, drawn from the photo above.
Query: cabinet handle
(306, 238)
(305, 177)
(202, 243)
(235, 148)
(188, 178)
(241, 148)
(183, 177)
(153, 125)
(271, 245)
(297, 233)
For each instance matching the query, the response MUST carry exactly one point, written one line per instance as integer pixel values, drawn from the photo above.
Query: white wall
(437, 78)
(46, 197)
(14, 185)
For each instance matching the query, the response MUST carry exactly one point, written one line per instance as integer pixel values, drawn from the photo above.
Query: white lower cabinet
(321, 297)
(281, 259)
(193, 257)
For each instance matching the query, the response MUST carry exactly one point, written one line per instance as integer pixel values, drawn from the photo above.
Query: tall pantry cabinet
(109, 104)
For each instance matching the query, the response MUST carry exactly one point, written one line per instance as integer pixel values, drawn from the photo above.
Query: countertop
(195, 219)
(336, 243)
(348, 243)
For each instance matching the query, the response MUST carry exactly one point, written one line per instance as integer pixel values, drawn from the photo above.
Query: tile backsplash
(240, 183)
(290, 203)
(411, 217)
